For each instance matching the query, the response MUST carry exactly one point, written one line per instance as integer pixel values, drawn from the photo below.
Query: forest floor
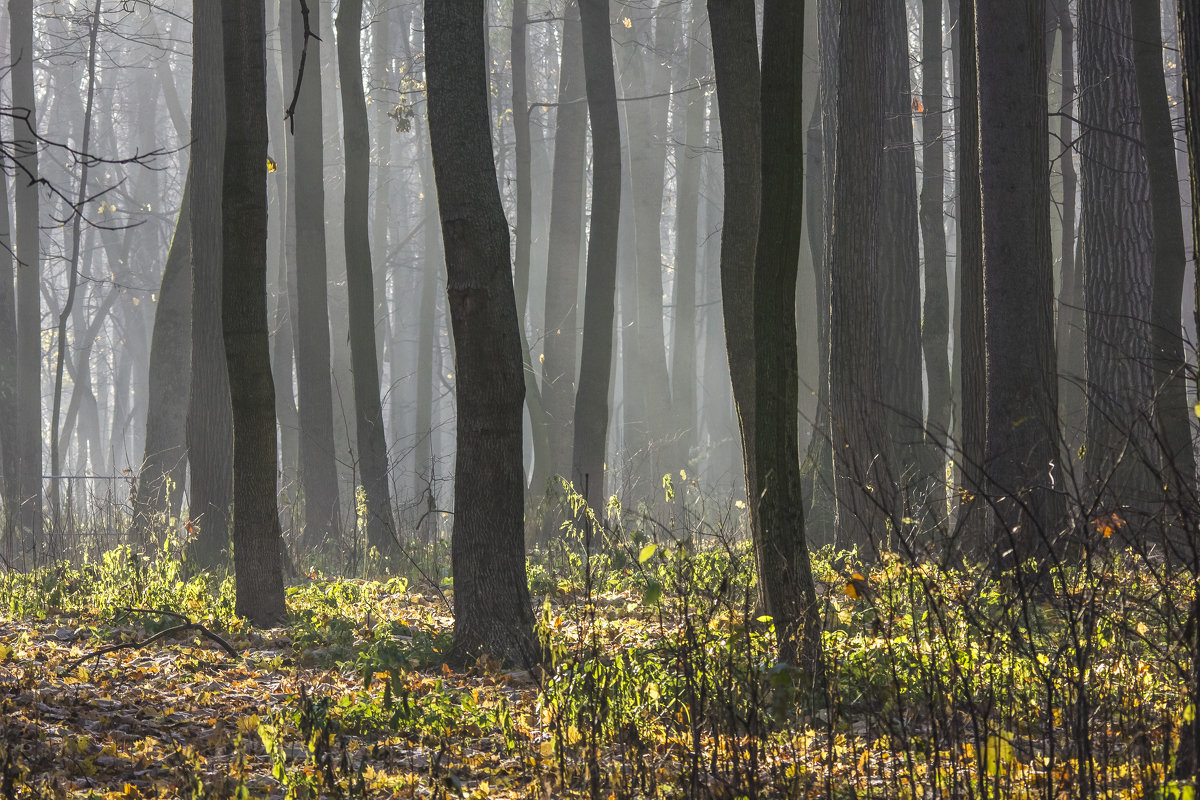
(663, 685)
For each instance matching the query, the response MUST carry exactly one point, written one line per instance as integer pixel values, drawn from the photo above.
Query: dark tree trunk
(562, 265)
(784, 572)
(368, 410)
(863, 483)
(26, 224)
(595, 362)
(318, 466)
(1070, 327)
(935, 322)
(257, 541)
(159, 494)
(1021, 454)
(210, 421)
(492, 613)
(1172, 412)
(735, 60)
(972, 364)
(1118, 278)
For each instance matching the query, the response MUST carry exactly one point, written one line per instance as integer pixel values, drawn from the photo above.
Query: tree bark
(1173, 414)
(210, 421)
(368, 410)
(492, 613)
(1020, 456)
(257, 541)
(595, 363)
(318, 465)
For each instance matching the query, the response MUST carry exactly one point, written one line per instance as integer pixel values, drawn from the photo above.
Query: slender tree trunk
(9, 396)
(491, 597)
(318, 466)
(562, 266)
(1020, 456)
(256, 537)
(160, 480)
(784, 572)
(1070, 333)
(210, 421)
(427, 341)
(861, 458)
(1172, 412)
(73, 267)
(368, 410)
(26, 224)
(595, 363)
(935, 321)
(735, 60)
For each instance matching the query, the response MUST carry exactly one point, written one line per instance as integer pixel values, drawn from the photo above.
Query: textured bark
(492, 613)
(595, 362)
(1119, 258)
(935, 319)
(899, 260)
(159, 492)
(210, 421)
(972, 364)
(1172, 412)
(368, 409)
(257, 540)
(784, 571)
(1020, 453)
(735, 60)
(26, 222)
(860, 453)
(318, 466)
(566, 234)
(689, 155)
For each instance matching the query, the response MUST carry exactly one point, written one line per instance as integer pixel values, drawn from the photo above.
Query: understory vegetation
(661, 678)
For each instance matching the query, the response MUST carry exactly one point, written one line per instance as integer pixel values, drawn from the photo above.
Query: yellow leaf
(271, 165)
(546, 748)
(5, 652)
(627, 22)
(248, 724)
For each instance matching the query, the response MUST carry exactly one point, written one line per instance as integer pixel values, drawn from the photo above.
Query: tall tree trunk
(935, 319)
(1070, 328)
(210, 420)
(1172, 412)
(257, 540)
(318, 465)
(735, 61)
(1021, 453)
(492, 613)
(562, 264)
(595, 362)
(73, 266)
(26, 224)
(9, 396)
(863, 482)
(368, 410)
(784, 572)
(689, 156)
(1118, 254)
(159, 492)
(427, 341)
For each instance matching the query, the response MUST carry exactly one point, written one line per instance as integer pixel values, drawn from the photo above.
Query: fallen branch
(186, 625)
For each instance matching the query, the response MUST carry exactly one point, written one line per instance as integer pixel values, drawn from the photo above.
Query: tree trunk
(210, 421)
(257, 541)
(735, 61)
(595, 363)
(1172, 411)
(562, 264)
(368, 410)
(1070, 327)
(784, 572)
(26, 224)
(491, 597)
(318, 466)
(159, 494)
(1118, 253)
(863, 483)
(1021, 454)
(10, 442)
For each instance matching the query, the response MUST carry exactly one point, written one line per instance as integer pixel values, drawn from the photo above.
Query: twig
(187, 625)
(290, 114)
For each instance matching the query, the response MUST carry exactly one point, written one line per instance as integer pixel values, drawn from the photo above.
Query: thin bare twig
(290, 115)
(187, 625)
